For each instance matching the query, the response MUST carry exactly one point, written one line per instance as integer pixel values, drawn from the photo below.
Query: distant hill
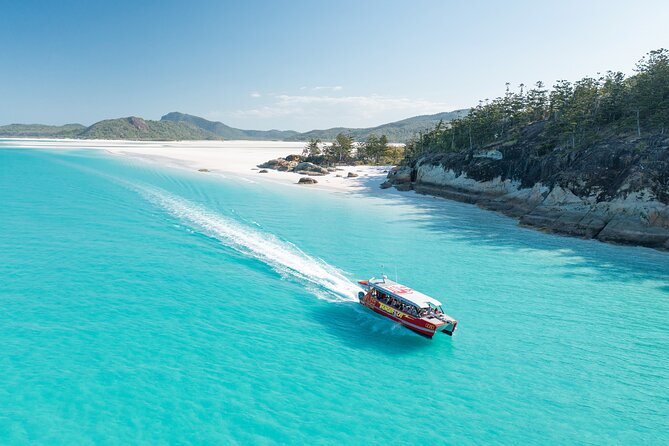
(177, 126)
(135, 128)
(227, 132)
(131, 128)
(40, 130)
(399, 131)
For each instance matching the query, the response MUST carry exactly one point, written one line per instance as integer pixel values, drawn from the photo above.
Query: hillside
(176, 126)
(225, 131)
(40, 131)
(131, 128)
(134, 128)
(400, 131)
(589, 158)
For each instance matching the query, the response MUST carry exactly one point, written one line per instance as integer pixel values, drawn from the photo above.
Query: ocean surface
(146, 305)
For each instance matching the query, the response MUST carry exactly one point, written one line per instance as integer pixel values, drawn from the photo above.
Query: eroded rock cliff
(616, 190)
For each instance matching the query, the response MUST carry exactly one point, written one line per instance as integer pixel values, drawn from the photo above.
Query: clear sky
(302, 64)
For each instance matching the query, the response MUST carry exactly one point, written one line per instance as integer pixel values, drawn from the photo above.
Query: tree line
(572, 114)
(344, 150)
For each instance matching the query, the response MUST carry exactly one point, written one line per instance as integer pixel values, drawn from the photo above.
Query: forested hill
(134, 128)
(399, 131)
(181, 126)
(131, 128)
(227, 132)
(40, 130)
(588, 158)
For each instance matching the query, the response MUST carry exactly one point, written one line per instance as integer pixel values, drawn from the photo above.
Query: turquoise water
(146, 305)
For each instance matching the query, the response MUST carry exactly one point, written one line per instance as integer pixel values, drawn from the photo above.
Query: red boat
(416, 311)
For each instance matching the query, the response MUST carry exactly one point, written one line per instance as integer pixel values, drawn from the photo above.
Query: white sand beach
(224, 157)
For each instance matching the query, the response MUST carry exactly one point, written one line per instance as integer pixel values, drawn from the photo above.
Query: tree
(537, 100)
(373, 149)
(613, 96)
(574, 113)
(393, 154)
(312, 148)
(367, 149)
(383, 149)
(341, 147)
(584, 107)
(329, 153)
(651, 90)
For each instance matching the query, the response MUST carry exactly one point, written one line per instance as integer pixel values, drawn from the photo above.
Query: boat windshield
(436, 308)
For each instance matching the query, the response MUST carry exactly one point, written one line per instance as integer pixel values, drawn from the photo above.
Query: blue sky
(302, 64)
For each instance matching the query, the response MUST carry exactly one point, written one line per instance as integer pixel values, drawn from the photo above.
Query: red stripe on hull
(420, 330)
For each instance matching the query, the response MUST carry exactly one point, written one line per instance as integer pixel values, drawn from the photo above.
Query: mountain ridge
(135, 128)
(396, 131)
(129, 128)
(40, 130)
(182, 126)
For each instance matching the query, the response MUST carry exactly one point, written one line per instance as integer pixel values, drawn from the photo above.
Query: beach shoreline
(216, 157)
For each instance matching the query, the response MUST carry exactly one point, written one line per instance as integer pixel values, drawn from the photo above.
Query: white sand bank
(227, 157)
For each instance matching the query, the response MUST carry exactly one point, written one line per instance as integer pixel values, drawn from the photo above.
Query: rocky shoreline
(617, 191)
(298, 164)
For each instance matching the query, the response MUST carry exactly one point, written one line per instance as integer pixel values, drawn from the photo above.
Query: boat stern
(449, 327)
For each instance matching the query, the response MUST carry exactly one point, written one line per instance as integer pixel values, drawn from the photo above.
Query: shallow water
(148, 305)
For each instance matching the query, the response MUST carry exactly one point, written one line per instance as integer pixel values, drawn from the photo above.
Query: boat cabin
(404, 298)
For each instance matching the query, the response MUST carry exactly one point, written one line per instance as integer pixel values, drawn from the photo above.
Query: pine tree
(574, 113)
(537, 100)
(342, 146)
(312, 148)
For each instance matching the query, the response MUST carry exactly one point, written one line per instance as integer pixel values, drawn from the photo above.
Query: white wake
(287, 259)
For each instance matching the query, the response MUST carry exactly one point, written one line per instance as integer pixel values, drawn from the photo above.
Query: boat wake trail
(287, 259)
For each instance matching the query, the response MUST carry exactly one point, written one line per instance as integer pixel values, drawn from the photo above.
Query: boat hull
(417, 325)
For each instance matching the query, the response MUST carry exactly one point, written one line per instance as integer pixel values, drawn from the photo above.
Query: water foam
(321, 279)
(324, 280)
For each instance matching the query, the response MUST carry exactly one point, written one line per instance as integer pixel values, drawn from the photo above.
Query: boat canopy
(403, 293)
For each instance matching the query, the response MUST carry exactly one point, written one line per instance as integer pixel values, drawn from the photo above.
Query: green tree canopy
(312, 148)
(341, 148)
(572, 113)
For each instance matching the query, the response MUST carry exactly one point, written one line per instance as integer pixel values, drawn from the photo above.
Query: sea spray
(322, 279)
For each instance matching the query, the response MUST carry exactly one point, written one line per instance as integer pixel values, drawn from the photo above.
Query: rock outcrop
(307, 180)
(617, 190)
(292, 163)
(306, 168)
(281, 164)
